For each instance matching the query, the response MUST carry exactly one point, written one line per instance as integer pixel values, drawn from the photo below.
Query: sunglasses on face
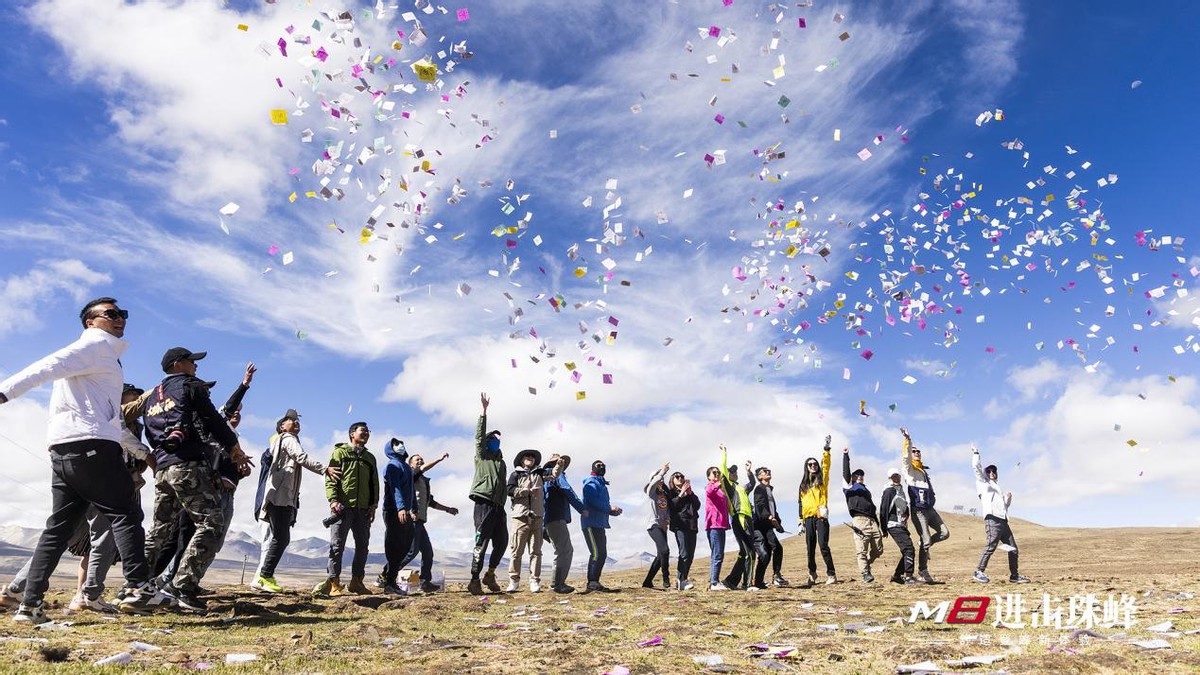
(112, 314)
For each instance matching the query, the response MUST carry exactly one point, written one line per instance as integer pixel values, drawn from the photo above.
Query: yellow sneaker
(266, 585)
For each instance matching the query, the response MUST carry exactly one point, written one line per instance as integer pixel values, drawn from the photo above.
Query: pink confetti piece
(652, 642)
(282, 46)
(802, 22)
(273, 250)
(321, 54)
(608, 379)
(719, 119)
(714, 31)
(867, 354)
(463, 14)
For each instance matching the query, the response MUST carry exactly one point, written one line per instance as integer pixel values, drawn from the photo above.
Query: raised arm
(905, 448)
(846, 466)
(977, 466)
(825, 462)
(439, 460)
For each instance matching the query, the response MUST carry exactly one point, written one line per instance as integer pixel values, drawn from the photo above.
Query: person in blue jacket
(595, 521)
(399, 508)
(560, 499)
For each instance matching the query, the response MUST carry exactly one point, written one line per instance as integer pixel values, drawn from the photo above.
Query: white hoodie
(994, 502)
(85, 402)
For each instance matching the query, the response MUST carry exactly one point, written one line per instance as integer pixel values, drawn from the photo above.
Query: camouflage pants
(188, 488)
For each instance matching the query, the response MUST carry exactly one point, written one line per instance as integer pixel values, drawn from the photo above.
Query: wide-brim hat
(537, 457)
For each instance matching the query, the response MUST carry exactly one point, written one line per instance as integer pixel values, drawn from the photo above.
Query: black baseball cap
(291, 414)
(178, 354)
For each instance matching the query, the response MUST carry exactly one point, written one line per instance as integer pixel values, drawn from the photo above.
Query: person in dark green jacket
(488, 493)
(353, 498)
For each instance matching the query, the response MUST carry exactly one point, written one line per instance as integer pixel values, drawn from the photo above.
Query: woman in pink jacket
(716, 521)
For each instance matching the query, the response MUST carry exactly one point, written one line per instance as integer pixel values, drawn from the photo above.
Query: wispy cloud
(23, 298)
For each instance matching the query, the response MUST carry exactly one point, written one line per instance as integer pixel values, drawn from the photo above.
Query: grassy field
(849, 627)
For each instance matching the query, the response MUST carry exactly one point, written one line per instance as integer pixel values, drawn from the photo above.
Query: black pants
(741, 567)
(170, 557)
(89, 472)
(662, 557)
(356, 522)
(397, 540)
(597, 542)
(280, 518)
(421, 546)
(766, 545)
(686, 541)
(491, 527)
(998, 532)
(904, 568)
(816, 532)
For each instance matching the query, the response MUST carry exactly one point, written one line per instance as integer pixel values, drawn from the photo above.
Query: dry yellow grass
(593, 633)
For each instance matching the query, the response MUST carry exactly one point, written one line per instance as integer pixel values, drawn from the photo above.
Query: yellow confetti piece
(364, 236)
(426, 71)
(397, 45)
(243, 27)
(310, 194)
(580, 395)
(278, 116)
(569, 365)
(459, 236)
(292, 198)
(580, 271)
(1131, 443)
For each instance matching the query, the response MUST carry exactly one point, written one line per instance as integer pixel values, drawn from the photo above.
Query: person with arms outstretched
(995, 504)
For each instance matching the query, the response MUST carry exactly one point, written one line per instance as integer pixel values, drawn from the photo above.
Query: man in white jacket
(995, 520)
(88, 465)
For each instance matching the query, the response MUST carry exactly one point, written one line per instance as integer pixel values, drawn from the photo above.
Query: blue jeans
(716, 542)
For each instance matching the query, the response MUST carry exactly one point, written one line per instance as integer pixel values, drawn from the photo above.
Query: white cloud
(23, 298)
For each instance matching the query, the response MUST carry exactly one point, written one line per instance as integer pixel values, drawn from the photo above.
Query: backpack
(264, 476)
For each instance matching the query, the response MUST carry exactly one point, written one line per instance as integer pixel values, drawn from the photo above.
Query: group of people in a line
(98, 456)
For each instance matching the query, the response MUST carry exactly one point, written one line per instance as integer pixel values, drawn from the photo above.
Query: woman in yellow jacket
(814, 514)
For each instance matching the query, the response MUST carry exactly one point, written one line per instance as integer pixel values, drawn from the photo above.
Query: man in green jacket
(488, 491)
(353, 498)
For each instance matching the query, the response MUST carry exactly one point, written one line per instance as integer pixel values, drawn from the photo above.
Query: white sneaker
(686, 585)
(831, 581)
(80, 603)
(719, 586)
(10, 598)
(513, 586)
(535, 587)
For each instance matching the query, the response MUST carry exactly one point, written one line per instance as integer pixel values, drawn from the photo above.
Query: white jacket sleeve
(77, 358)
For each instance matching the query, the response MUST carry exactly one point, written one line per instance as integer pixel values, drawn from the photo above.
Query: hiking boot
(719, 586)
(143, 599)
(33, 615)
(425, 587)
(391, 588)
(564, 589)
(513, 586)
(780, 581)
(185, 599)
(596, 586)
(357, 587)
(897, 580)
(81, 603)
(980, 577)
(1018, 580)
(926, 578)
(266, 585)
(489, 580)
(323, 589)
(867, 578)
(812, 581)
(474, 587)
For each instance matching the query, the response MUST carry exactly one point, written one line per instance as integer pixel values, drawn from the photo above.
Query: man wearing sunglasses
(85, 454)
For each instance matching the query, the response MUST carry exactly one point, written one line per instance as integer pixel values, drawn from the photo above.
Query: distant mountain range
(311, 554)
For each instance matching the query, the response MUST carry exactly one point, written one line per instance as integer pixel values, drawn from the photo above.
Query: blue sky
(122, 140)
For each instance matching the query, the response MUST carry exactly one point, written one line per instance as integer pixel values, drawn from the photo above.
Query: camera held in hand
(333, 518)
